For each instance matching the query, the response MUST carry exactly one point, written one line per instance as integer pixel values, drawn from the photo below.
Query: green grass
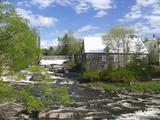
(145, 86)
(152, 86)
(107, 86)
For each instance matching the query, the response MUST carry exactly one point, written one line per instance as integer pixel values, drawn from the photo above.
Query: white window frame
(104, 58)
(115, 58)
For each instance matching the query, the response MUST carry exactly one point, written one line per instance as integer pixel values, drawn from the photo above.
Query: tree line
(19, 43)
(67, 45)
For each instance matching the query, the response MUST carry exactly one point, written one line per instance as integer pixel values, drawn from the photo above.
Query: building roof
(93, 45)
(97, 45)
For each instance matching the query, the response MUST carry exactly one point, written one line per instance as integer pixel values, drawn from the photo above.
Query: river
(93, 104)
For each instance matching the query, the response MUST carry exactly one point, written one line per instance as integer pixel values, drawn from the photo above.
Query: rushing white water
(148, 114)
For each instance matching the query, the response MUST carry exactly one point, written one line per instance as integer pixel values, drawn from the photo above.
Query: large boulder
(10, 111)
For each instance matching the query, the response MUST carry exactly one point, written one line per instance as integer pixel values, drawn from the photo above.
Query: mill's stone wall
(103, 61)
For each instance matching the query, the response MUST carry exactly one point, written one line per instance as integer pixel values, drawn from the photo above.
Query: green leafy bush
(119, 75)
(47, 95)
(91, 76)
(142, 72)
(30, 102)
(155, 71)
(6, 92)
(69, 64)
(36, 69)
(20, 76)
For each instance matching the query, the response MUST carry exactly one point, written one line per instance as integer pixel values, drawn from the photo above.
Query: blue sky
(53, 18)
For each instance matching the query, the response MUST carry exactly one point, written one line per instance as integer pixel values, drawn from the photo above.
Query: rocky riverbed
(98, 105)
(92, 104)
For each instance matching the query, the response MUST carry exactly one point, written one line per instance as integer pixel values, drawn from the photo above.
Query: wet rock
(9, 111)
(61, 115)
(56, 115)
(23, 117)
(65, 115)
(36, 77)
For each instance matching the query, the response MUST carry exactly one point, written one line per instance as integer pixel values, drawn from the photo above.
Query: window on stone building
(115, 58)
(155, 46)
(104, 58)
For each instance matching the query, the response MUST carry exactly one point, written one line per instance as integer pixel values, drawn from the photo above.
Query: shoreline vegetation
(142, 78)
(137, 87)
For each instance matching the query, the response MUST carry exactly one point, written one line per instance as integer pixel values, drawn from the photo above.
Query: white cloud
(80, 6)
(37, 20)
(146, 3)
(100, 14)
(42, 3)
(145, 16)
(154, 20)
(133, 15)
(48, 3)
(49, 43)
(24, 4)
(98, 5)
(87, 28)
(156, 9)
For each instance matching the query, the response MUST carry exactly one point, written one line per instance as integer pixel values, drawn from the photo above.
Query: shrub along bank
(134, 78)
(126, 75)
(152, 86)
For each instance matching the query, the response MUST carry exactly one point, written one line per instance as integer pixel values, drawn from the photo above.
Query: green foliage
(19, 44)
(50, 51)
(31, 102)
(131, 73)
(20, 76)
(119, 75)
(137, 86)
(49, 95)
(69, 64)
(154, 71)
(6, 92)
(19, 48)
(118, 38)
(142, 72)
(145, 40)
(61, 94)
(36, 69)
(69, 45)
(91, 76)
(108, 86)
(153, 57)
(145, 86)
(41, 72)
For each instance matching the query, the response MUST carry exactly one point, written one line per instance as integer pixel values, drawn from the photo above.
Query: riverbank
(136, 87)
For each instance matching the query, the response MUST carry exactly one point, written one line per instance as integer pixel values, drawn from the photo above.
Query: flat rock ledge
(66, 115)
(11, 110)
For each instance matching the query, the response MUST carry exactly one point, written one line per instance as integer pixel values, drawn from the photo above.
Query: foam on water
(141, 115)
